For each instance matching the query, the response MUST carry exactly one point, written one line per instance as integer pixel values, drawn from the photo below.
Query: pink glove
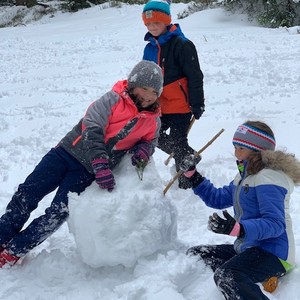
(103, 175)
(142, 153)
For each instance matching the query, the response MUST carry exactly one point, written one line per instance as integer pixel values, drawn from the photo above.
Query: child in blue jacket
(183, 95)
(260, 194)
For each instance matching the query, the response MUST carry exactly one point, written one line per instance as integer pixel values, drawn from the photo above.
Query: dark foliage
(269, 13)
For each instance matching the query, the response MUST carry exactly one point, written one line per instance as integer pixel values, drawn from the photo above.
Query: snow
(148, 221)
(131, 243)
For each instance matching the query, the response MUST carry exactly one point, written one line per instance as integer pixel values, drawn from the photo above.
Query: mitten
(103, 175)
(141, 153)
(227, 226)
(198, 111)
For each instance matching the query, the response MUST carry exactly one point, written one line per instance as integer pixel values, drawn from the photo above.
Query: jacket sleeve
(218, 198)
(94, 124)
(190, 65)
(153, 135)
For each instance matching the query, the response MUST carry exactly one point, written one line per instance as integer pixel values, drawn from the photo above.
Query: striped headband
(253, 138)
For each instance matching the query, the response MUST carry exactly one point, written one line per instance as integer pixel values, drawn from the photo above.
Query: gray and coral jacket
(98, 133)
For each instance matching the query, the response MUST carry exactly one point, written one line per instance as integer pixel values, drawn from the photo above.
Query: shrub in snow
(119, 227)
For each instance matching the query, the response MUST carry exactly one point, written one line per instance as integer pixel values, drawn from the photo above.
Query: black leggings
(176, 140)
(236, 275)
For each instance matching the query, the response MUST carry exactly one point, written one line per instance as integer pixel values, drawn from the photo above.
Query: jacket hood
(121, 88)
(285, 162)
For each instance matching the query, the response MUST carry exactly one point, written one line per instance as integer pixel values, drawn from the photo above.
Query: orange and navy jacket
(183, 78)
(103, 120)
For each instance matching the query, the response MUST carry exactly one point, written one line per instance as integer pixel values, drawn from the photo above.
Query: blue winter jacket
(261, 205)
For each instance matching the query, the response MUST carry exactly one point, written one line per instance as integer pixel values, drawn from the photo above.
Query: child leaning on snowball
(260, 194)
(125, 119)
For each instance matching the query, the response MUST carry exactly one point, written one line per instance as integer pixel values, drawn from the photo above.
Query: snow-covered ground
(51, 70)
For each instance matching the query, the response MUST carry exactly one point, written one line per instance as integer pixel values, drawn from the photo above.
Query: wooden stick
(196, 154)
(172, 154)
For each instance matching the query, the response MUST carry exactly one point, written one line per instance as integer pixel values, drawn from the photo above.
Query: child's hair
(262, 126)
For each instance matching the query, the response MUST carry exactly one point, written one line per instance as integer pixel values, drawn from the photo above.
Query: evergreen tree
(271, 13)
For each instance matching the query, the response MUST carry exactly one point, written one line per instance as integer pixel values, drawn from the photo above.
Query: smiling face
(144, 96)
(242, 153)
(156, 28)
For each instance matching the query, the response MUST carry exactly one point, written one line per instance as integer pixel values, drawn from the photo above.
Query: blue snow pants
(235, 274)
(57, 170)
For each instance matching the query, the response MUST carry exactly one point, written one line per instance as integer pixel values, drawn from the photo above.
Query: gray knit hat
(146, 74)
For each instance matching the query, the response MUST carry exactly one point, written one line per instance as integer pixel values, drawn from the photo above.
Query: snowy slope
(50, 71)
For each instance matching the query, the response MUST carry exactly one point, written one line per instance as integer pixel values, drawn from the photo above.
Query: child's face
(242, 153)
(156, 28)
(145, 96)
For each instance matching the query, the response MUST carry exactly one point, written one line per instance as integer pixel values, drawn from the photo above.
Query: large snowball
(119, 227)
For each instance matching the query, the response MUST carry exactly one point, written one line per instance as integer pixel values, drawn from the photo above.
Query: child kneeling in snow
(126, 119)
(260, 193)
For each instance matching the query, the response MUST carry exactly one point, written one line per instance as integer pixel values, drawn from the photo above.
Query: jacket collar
(172, 30)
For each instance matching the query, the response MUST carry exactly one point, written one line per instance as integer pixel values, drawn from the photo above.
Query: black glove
(198, 111)
(224, 226)
(188, 166)
(189, 162)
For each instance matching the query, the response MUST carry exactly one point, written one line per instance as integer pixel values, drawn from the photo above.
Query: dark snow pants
(176, 140)
(57, 169)
(236, 275)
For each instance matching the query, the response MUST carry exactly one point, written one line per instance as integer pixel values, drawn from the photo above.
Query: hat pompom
(146, 74)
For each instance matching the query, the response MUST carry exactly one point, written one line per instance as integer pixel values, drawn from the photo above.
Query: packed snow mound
(119, 227)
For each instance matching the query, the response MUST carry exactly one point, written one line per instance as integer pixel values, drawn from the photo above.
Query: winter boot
(7, 259)
(270, 284)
